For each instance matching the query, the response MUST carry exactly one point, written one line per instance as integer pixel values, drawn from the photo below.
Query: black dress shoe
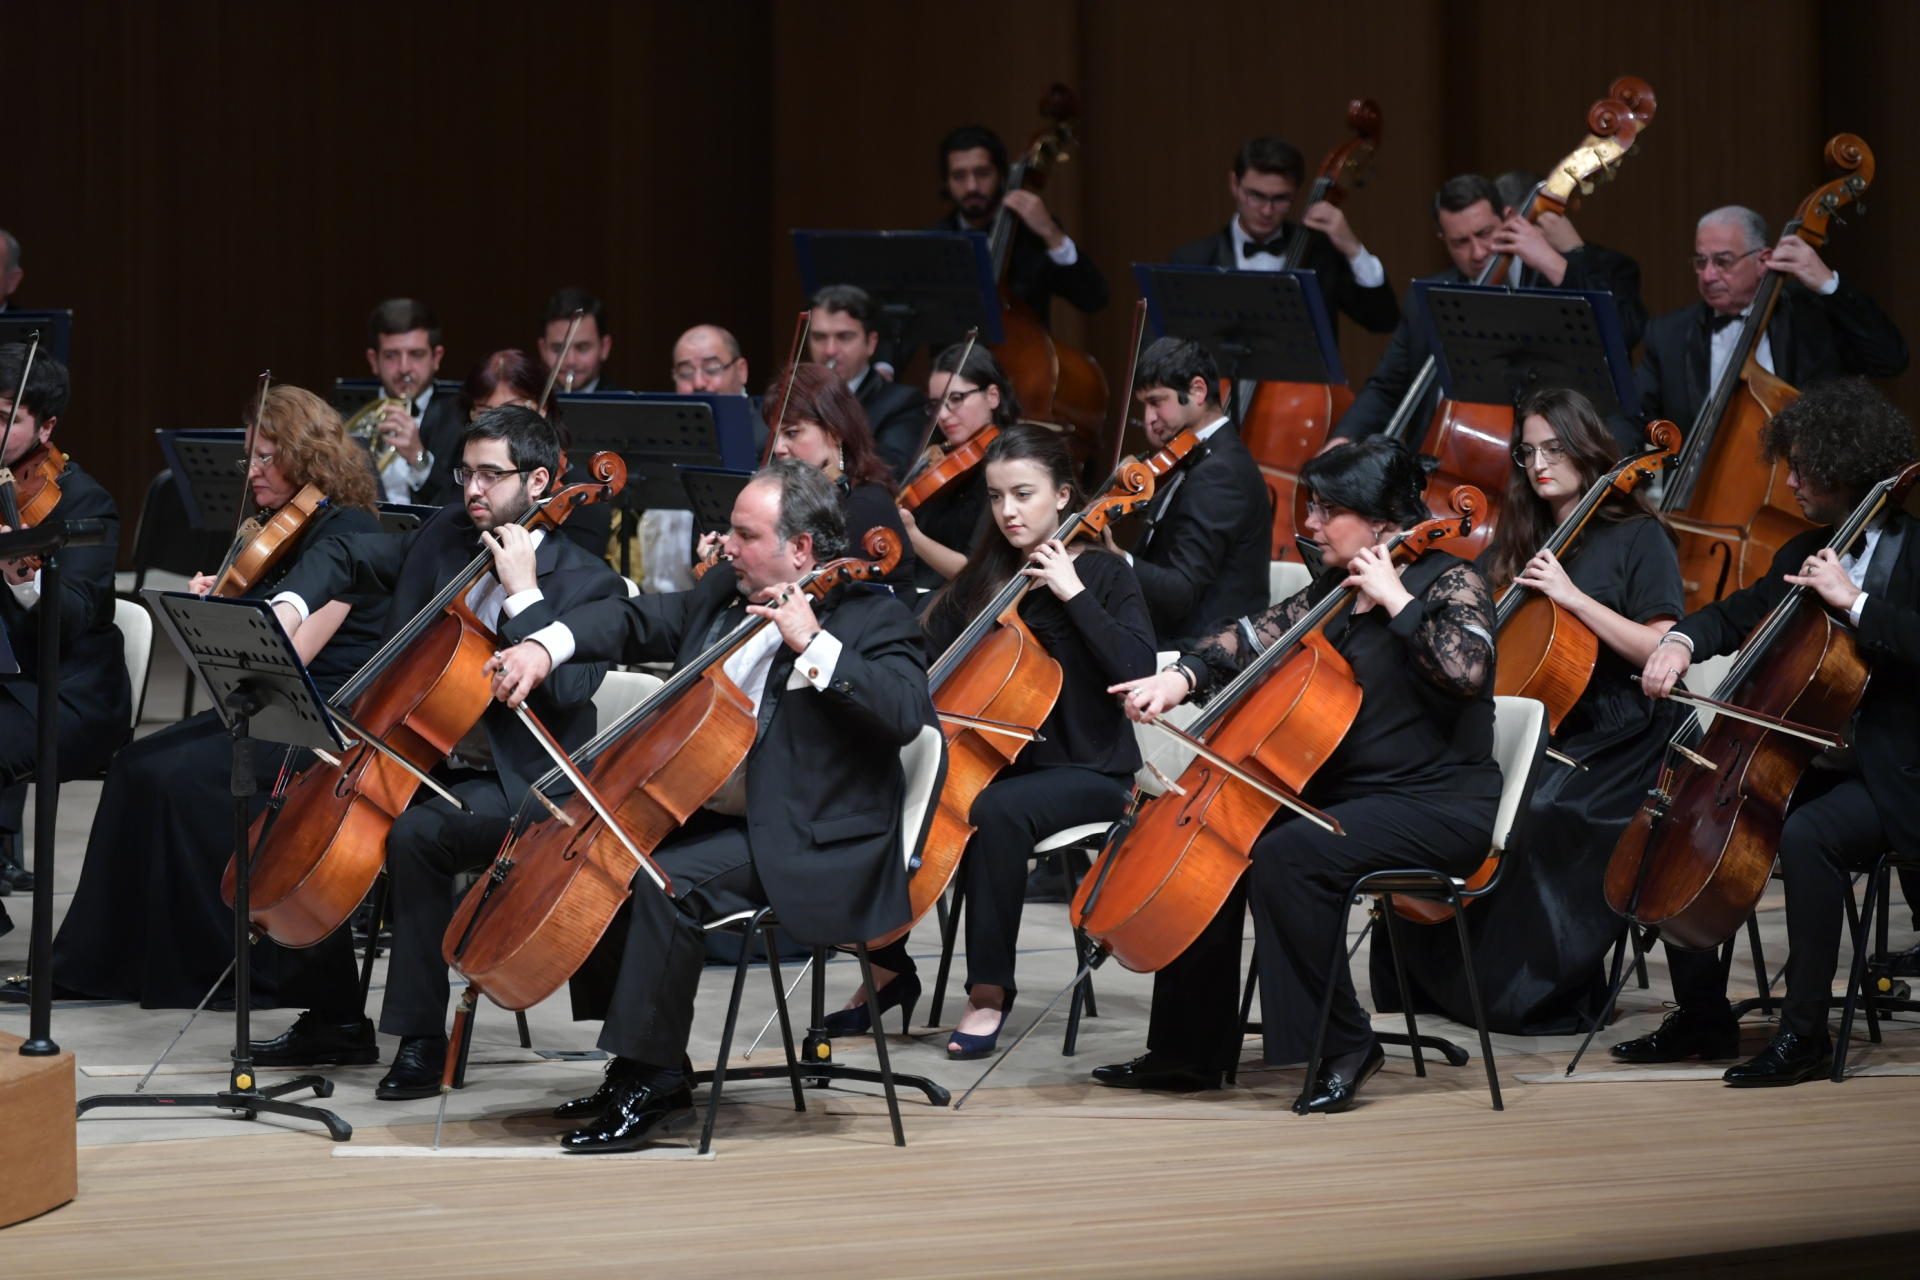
(19, 990)
(635, 1113)
(1790, 1059)
(1158, 1071)
(1683, 1034)
(314, 1041)
(417, 1067)
(594, 1105)
(1339, 1083)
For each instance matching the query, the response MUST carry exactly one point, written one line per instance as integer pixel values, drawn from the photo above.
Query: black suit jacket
(1203, 557)
(440, 430)
(1812, 338)
(1037, 280)
(1375, 310)
(93, 669)
(1887, 732)
(412, 567)
(824, 784)
(897, 415)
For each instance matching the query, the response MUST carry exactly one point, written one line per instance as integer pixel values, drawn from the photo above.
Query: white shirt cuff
(817, 661)
(1066, 255)
(1128, 555)
(523, 601)
(1368, 272)
(28, 592)
(556, 639)
(1853, 610)
(299, 605)
(1831, 287)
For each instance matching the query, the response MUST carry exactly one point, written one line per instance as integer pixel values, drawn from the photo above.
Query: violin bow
(933, 417)
(13, 411)
(1278, 794)
(553, 374)
(246, 471)
(1737, 712)
(802, 327)
(564, 763)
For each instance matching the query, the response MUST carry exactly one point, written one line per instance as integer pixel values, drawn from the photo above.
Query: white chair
(1704, 678)
(1519, 737)
(620, 693)
(1284, 578)
(136, 647)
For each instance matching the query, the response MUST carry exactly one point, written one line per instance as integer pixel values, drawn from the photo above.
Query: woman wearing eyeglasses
(964, 401)
(1541, 937)
(147, 922)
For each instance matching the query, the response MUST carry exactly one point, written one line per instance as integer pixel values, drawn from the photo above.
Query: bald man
(707, 361)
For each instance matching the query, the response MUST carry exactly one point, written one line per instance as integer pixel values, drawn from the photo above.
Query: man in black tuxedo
(1475, 223)
(1266, 175)
(811, 822)
(508, 458)
(843, 334)
(1822, 328)
(95, 702)
(1839, 440)
(1203, 556)
(583, 365)
(404, 352)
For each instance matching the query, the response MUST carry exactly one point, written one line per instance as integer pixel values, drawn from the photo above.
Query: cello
(1287, 423)
(1058, 384)
(1171, 864)
(322, 840)
(1696, 857)
(1730, 506)
(529, 924)
(1470, 440)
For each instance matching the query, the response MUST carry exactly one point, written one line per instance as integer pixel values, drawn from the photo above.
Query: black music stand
(203, 463)
(56, 331)
(930, 286)
(263, 693)
(711, 492)
(403, 517)
(1494, 345)
(1260, 326)
(350, 394)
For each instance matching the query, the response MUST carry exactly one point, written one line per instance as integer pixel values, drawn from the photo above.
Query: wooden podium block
(37, 1119)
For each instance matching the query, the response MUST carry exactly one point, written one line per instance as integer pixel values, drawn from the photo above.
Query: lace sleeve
(1224, 654)
(1451, 635)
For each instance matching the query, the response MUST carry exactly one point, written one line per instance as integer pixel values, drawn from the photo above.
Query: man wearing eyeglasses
(508, 456)
(1823, 327)
(1267, 174)
(843, 334)
(1475, 223)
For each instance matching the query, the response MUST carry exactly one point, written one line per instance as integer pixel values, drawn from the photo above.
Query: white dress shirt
(1368, 272)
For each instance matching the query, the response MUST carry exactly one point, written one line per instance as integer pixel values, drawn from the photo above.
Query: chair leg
(1400, 978)
(1247, 1026)
(463, 1020)
(880, 1047)
(526, 1032)
(1639, 960)
(772, 952)
(1473, 995)
(949, 930)
(1338, 958)
(1078, 1000)
(726, 1037)
(1857, 974)
(1761, 977)
(375, 917)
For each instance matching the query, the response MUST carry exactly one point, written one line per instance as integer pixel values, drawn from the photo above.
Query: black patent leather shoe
(1158, 1071)
(1336, 1089)
(1682, 1034)
(318, 1042)
(594, 1105)
(1790, 1059)
(635, 1114)
(417, 1067)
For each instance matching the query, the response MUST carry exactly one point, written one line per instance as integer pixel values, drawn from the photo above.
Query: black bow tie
(1249, 248)
(1720, 322)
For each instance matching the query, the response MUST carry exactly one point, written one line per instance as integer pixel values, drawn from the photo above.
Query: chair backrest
(136, 647)
(1284, 578)
(1519, 738)
(923, 762)
(1162, 750)
(620, 693)
(1704, 677)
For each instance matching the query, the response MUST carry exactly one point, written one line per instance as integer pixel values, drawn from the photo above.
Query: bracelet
(1676, 638)
(1188, 676)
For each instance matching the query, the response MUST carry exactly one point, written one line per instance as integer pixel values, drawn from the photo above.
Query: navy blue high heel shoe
(902, 992)
(974, 1046)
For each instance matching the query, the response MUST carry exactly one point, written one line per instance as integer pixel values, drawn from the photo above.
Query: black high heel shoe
(902, 991)
(978, 1046)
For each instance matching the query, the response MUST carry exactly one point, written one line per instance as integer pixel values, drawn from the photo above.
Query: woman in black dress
(147, 922)
(1092, 620)
(1413, 782)
(963, 402)
(1541, 937)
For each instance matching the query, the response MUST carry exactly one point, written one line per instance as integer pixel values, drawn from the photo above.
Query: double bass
(1696, 857)
(1729, 504)
(1287, 423)
(1169, 866)
(1471, 440)
(1058, 384)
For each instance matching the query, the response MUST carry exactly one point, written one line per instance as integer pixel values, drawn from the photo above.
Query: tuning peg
(1860, 205)
(1586, 188)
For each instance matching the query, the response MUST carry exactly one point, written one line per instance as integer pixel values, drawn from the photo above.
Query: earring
(840, 459)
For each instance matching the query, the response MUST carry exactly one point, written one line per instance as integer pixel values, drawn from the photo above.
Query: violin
(1057, 383)
(1696, 857)
(993, 688)
(1286, 423)
(1730, 505)
(1471, 440)
(1545, 652)
(1172, 862)
(261, 546)
(940, 467)
(528, 925)
(30, 489)
(322, 841)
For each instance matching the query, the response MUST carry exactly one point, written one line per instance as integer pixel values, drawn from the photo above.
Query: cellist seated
(810, 822)
(1413, 783)
(1839, 439)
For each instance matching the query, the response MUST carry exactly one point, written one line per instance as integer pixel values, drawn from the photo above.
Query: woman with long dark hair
(1541, 937)
(1086, 610)
(963, 401)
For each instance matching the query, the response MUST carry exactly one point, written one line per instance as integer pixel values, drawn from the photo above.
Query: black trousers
(84, 748)
(1823, 841)
(643, 976)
